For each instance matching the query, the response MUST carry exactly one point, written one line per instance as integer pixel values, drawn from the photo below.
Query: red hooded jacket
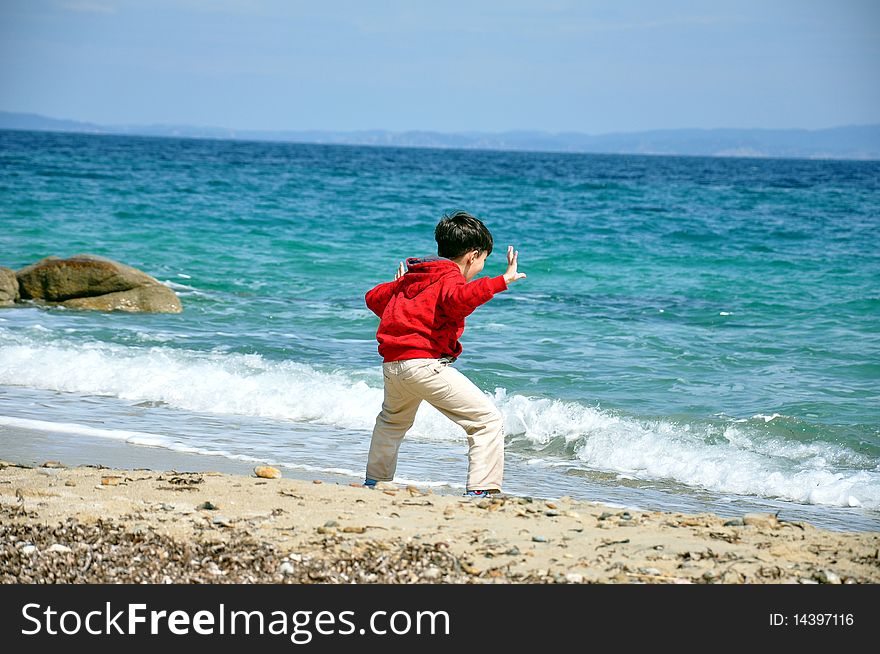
(422, 313)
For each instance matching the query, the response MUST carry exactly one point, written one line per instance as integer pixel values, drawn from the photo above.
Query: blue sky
(550, 65)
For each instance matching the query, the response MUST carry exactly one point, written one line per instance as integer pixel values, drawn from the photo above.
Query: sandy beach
(92, 524)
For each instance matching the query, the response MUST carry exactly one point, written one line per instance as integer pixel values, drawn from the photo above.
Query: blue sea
(694, 334)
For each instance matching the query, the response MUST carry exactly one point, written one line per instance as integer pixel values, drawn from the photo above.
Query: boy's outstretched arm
(461, 298)
(378, 297)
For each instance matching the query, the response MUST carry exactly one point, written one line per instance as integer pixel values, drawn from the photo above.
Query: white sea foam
(154, 337)
(732, 461)
(766, 418)
(185, 289)
(134, 437)
(177, 286)
(212, 382)
(724, 456)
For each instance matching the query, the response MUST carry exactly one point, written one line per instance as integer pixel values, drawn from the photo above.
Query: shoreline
(33, 446)
(93, 524)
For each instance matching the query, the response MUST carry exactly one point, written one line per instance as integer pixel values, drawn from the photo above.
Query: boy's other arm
(378, 297)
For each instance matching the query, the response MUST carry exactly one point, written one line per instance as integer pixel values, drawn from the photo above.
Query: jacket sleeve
(378, 297)
(460, 298)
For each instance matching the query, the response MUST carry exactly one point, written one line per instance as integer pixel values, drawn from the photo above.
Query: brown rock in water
(82, 275)
(146, 299)
(267, 472)
(86, 281)
(8, 287)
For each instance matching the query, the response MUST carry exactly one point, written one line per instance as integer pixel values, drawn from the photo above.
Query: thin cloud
(226, 6)
(87, 7)
(202, 6)
(653, 24)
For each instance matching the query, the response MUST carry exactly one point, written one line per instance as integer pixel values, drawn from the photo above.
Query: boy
(422, 315)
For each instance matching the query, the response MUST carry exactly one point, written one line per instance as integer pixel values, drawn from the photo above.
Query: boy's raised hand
(400, 272)
(512, 275)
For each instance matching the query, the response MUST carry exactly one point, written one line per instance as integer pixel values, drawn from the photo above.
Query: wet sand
(92, 524)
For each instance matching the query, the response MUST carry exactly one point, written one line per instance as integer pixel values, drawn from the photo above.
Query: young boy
(422, 316)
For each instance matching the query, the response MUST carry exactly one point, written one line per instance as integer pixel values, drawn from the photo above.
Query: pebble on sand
(763, 520)
(827, 577)
(286, 568)
(267, 472)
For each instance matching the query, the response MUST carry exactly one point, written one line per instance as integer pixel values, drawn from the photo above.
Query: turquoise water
(694, 333)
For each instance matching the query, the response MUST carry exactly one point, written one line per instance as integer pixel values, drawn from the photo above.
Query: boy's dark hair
(459, 233)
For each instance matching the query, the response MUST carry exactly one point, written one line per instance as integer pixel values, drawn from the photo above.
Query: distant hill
(38, 123)
(853, 142)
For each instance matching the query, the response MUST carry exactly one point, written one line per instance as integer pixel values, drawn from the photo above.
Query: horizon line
(517, 130)
(722, 143)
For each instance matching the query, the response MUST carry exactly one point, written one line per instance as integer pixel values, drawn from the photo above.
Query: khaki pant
(410, 381)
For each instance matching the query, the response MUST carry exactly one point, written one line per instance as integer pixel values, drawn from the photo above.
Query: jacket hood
(422, 272)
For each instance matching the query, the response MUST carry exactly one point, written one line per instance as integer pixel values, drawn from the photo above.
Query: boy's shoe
(370, 483)
(478, 493)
